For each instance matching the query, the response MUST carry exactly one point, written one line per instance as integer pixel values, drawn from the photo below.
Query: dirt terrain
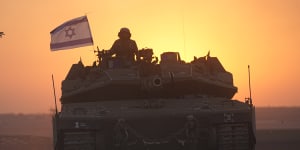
(277, 129)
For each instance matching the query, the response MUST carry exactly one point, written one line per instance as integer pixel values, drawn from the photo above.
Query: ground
(277, 129)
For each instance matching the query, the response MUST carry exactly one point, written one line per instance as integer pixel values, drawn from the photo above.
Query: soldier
(191, 132)
(121, 134)
(124, 48)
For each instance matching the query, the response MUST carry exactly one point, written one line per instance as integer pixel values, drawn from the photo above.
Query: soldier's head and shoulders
(125, 49)
(124, 38)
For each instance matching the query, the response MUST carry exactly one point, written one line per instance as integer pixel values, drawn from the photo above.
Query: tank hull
(193, 123)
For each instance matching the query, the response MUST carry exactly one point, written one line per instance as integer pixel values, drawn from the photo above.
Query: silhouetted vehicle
(152, 105)
(1, 34)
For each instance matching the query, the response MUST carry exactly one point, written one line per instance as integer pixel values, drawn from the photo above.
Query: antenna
(252, 110)
(250, 98)
(183, 33)
(183, 29)
(54, 95)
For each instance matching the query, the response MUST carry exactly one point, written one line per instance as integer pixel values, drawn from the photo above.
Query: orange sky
(264, 34)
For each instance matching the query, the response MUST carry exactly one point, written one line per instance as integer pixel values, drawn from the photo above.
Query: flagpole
(86, 14)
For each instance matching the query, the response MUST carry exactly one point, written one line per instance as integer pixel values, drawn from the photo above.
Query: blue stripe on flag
(71, 43)
(69, 23)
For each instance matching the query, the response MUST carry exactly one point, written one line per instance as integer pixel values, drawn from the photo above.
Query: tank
(152, 104)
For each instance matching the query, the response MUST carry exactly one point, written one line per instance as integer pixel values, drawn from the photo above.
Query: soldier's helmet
(124, 32)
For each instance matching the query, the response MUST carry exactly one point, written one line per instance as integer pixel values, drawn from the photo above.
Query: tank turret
(204, 76)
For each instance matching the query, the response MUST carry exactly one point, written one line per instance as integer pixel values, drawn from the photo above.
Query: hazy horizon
(262, 34)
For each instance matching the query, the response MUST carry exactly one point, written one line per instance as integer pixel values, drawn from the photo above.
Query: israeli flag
(71, 34)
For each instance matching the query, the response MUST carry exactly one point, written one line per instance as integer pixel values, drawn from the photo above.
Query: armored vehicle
(152, 105)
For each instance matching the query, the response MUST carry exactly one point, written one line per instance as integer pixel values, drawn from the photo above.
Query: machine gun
(102, 57)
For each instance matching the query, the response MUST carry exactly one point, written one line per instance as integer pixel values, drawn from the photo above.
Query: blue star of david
(70, 32)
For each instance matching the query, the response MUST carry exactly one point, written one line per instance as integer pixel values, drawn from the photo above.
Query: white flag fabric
(71, 34)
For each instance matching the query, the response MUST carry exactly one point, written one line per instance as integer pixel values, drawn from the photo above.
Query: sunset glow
(263, 34)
